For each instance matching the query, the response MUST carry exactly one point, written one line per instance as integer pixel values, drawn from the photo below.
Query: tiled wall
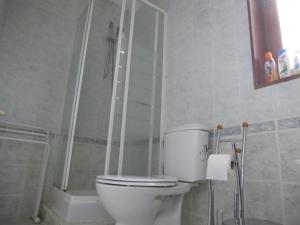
(88, 161)
(209, 81)
(209, 77)
(20, 166)
(95, 99)
(36, 45)
(35, 53)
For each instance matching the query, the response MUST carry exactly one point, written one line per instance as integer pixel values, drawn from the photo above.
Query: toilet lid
(155, 181)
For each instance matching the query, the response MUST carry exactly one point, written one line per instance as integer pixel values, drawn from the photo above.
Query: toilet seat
(155, 181)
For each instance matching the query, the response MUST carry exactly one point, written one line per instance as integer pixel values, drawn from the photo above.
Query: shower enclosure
(113, 129)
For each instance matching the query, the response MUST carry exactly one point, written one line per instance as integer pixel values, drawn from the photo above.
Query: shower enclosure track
(34, 135)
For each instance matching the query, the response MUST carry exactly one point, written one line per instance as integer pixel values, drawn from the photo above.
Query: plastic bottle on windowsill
(284, 64)
(296, 68)
(271, 73)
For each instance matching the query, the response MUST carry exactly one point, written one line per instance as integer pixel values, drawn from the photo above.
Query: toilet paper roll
(219, 167)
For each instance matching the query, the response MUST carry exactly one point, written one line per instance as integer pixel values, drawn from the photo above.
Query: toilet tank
(184, 154)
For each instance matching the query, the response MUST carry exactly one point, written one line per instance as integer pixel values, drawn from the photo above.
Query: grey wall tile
(286, 100)
(292, 202)
(261, 158)
(9, 206)
(227, 108)
(98, 153)
(289, 140)
(290, 166)
(81, 156)
(79, 180)
(256, 104)
(263, 201)
(224, 197)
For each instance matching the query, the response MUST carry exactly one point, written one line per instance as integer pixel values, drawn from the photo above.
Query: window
(274, 25)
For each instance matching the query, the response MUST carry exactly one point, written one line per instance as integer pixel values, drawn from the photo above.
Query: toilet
(157, 200)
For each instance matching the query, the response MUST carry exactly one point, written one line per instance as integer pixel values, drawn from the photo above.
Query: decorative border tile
(90, 140)
(228, 131)
(289, 123)
(231, 131)
(261, 127)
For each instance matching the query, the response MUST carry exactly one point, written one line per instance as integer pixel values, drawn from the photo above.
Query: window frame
(265, 35)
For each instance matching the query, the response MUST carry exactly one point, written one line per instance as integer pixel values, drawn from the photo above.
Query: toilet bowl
(158, 200)
(142, 200)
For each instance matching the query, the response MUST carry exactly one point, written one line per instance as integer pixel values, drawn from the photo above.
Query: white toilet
(158, 200)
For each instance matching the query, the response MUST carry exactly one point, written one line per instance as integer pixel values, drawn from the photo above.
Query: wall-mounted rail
(34, 135)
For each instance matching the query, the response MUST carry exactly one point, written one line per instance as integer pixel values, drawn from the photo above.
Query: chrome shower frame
(127, 68)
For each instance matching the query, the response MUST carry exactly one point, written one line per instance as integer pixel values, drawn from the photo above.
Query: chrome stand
(239, 216)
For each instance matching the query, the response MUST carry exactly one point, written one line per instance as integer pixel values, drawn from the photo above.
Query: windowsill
(277, 81)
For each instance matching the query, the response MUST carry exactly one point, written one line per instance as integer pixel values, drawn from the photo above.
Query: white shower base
(78, 207)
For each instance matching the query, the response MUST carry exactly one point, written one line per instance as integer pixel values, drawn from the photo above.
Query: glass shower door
(141, 126)
(134, 139)
(72, 98)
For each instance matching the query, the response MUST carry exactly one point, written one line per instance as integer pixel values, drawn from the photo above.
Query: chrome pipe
(220, 217)
(242, 178)
(236, 206)
(211, 203)
(219, 128)
(241, 216)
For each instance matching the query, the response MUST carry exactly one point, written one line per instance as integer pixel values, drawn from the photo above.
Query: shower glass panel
(71, 98)
(118, 92)
(140, 146)
(89, 148)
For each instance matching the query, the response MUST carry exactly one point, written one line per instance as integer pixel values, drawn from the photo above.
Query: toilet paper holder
(238, 164)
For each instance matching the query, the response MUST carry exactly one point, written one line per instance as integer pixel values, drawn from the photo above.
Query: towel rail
(33, 135)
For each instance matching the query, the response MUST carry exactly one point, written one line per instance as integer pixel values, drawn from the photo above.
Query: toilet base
(135, 205)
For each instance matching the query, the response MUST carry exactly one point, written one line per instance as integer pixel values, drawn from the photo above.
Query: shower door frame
(74, 112)
(127, 77)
